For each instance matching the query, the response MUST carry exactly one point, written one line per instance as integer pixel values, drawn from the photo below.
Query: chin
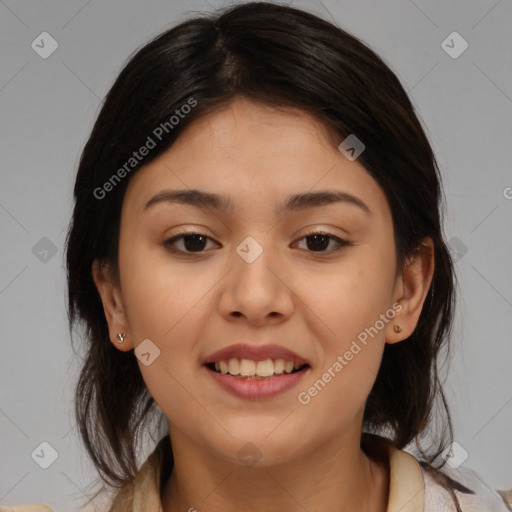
(254, 449)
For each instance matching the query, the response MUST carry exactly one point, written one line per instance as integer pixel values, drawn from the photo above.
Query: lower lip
(257, 389)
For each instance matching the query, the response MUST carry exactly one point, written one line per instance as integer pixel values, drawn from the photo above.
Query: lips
(255, 353)
(256, 372)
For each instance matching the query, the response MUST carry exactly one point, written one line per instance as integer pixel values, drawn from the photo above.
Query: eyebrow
(222, 203)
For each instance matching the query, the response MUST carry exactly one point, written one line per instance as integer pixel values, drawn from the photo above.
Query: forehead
(251, 152)
(244, 121)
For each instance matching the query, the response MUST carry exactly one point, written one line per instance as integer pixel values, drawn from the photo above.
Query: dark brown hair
(280, 56)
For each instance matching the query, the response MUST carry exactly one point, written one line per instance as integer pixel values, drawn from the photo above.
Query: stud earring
(120, 337)
(398, 328)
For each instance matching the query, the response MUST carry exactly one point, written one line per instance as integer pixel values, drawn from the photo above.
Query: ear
(110, 293)
(411, 289)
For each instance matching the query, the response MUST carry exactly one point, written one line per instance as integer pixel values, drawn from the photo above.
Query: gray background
(47, 110)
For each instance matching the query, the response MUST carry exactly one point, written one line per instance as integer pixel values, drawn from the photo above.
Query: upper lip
(255, 353)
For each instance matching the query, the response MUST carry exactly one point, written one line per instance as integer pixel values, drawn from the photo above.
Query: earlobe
(110, 294)
(411, 289)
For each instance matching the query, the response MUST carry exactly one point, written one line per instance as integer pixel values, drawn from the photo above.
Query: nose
(257, 291)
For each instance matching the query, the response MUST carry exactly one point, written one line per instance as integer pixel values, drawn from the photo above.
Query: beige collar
(406, 490)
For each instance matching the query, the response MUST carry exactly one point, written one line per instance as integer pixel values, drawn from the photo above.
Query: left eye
(195, 242)
(321, 240)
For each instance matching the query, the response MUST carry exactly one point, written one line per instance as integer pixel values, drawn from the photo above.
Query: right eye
(192, 242)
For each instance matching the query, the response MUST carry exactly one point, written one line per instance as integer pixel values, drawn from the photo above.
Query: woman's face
(257, 277)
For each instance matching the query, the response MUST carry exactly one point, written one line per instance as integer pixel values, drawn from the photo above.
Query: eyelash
(168, 244)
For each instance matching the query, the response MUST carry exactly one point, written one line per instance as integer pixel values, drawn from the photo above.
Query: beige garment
(411, 489)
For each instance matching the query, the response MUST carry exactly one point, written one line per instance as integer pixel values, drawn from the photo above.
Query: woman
(256, 253)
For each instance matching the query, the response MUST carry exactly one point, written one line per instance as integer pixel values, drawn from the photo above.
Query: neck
(336, 476)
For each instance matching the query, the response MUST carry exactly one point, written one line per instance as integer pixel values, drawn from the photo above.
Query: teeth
(279, 366)
(223, 367)
(234, 366)
(288, 366)
(249, 368)
(265, 368)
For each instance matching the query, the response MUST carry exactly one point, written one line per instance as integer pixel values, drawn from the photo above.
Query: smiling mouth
(246, 369)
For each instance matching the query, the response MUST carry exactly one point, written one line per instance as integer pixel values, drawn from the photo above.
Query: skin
(312, 302)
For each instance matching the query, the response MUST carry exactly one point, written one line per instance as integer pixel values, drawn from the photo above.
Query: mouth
(256, 372)
(248, 384)
(248, 369)
(255, 362)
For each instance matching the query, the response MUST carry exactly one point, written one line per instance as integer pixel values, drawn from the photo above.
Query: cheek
(348, 299)
(166, 303)
(351, 314)
(158, 296)
(349, 352)
(177, 396)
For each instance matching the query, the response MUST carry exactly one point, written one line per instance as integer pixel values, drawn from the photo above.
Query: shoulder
(414, 487)
(27, 508)
(471, 491)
